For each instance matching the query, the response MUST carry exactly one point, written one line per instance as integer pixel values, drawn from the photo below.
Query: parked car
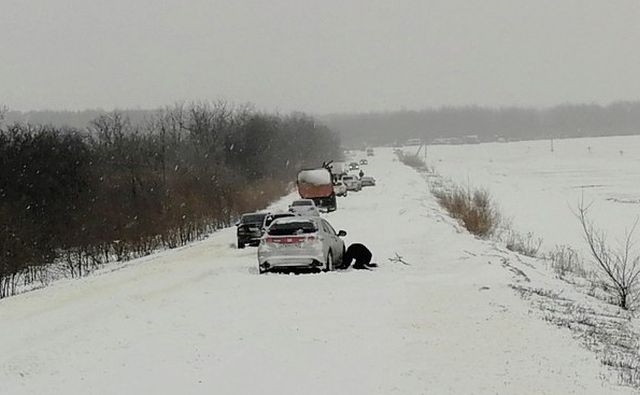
(339, 188)
(301, 242)
(368, 181)
(363, 162)
(352, 183)
(272, 217)
(354, 166)
(249, 229)
(369, 151)
(304, 207)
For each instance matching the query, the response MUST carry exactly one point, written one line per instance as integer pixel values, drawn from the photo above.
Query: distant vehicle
(301, 242)
(317, 184)
(363, 162)
(413, 142)
(249, 229)
(369, 151)
(339, 188)
(352, 183)
(354, 166)
(368, 181)
(304, 207)
(272, 217)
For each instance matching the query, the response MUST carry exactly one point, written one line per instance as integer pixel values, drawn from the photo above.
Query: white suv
(304, 207)
(352, 183)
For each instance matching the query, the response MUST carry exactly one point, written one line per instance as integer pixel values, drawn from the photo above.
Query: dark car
(364, 162)
(249, 229)
(354, 166)
(368, 181)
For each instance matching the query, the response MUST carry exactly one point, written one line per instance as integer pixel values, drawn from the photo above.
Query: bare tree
(620, 265)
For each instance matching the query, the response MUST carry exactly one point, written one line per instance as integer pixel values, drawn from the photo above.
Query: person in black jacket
(360, 254)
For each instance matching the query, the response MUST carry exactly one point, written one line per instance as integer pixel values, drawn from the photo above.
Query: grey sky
(318, 56)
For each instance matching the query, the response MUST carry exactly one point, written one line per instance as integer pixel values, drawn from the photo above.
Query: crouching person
(360, 254)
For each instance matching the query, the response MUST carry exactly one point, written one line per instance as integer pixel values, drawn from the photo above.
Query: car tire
(240, 245)
(329, 264)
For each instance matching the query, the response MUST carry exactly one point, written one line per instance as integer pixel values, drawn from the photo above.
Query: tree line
(488, 124)
(74, 199)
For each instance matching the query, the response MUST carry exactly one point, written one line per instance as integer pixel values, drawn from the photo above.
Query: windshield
(292, 228)
(347, 178)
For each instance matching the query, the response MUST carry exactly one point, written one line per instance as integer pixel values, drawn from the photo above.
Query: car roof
(256, 213)
(281, 214)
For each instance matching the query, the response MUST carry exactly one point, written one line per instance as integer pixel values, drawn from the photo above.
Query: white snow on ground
(201, 320)
(539, 188)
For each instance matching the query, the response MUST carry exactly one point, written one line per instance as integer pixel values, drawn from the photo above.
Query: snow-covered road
(201, 320)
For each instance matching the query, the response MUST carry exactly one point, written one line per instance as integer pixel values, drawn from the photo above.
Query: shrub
(411, 160)
(474, 209)
(565, 260)
(528, 244)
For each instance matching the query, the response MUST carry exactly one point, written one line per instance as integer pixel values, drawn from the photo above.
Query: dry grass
(566, 261)
(411, 160)
(473, 208)
(528, 245)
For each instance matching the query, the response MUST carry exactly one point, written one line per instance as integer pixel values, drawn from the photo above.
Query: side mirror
(342, 233)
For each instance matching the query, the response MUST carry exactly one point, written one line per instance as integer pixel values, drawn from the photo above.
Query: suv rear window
(302, 203)
(292, 228)
(272, 218)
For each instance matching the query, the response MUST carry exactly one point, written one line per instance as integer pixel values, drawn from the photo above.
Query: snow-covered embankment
(201, 320)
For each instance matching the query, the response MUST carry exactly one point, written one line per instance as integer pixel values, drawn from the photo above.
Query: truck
(338, 169)
(317, 185)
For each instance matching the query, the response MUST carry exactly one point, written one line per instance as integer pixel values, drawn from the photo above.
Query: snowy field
(539, 189)
(200, 320)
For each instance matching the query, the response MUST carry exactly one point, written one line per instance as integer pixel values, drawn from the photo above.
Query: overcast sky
(317, 56)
